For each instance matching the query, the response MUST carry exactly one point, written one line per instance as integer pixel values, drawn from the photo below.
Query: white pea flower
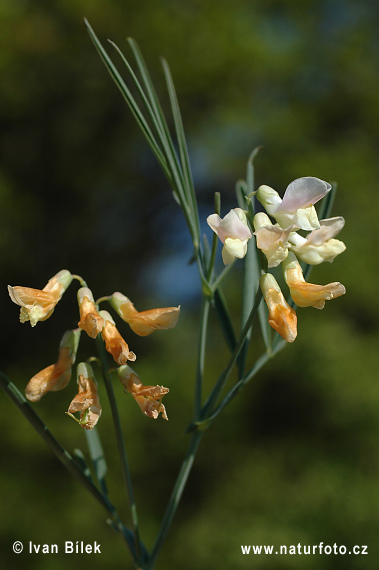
(233, 232)
(271, 239)
(297, 206)
(320, 244)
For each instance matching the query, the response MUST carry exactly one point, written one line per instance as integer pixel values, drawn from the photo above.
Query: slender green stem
(224, 319)
(201, 356)
(102, 299)
(175, 497)
(243, 381)
(226, 373)
(212, 258)
(217, 282)
(65, 457)
(80, 279)
(250, 284)
(121, 447)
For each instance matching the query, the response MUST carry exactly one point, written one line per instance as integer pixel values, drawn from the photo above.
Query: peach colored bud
(87, 400)
(114, 343)
(307, 294)
(144, 323)
(149, 398)
(90, 320)
(38, 305)
(281, 317)
(56, 376)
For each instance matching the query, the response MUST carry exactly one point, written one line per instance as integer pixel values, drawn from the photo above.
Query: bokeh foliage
(295, 459)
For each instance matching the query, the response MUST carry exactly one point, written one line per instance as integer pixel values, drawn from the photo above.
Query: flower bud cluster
(38, 305)
(280, 242)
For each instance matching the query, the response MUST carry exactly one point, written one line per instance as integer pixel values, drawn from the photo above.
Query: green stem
(225, 375)
(243, 381)
(64, 456)
(121, 447)
(80, 279)
(175, 497)
(201, 356)
(217, 282)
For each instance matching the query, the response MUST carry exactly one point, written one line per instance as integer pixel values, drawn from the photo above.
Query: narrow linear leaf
(183, 150)
(128, 98)
(176, 167)
(97, 453)
(250, 171)
(224, 318)
(81, 461)
(252, 264)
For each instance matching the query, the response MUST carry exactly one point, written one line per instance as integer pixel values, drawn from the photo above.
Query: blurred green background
(294, 459)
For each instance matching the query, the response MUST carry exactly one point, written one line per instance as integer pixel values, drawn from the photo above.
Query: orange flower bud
(38, 305)
(114, 343)
(149, 398)
(90, 320)
(87, 400)
(56, 376)
(307, 294)
(144, 323)
(281, 316)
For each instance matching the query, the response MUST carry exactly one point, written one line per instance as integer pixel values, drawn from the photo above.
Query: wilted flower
(38, 305)
(90, 320)
(281, 316)
(144, 323)
(56, 376)
(233, 232)
(87, 400)
(297, 207)
(114, 343)
(320, 244)
(149, 398)
(307, 294)
(271, 239)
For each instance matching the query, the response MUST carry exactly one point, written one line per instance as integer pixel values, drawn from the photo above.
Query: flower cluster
(38, 305)
(282, 245)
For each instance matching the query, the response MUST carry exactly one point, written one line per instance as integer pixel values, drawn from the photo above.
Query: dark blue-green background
(294, 459)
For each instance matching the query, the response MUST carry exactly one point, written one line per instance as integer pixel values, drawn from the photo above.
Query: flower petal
(87, 400)
(316, 254)
(233, 225)
(282, 317)
(144, 323)
(272, 240)
(303, 219)
(90, 320)
(114, 342)
(307, 294)
(214, 222)
(38, 305)
(149, 398)
(236, 247)
(329, 228)
(302, 193)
